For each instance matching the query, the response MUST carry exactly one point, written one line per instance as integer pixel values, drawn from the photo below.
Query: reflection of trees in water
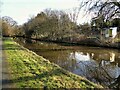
(116, 83)
(101, 66)
(112, 57)
(100, 71)
(108, 57)
(69, 62)
(96, 73)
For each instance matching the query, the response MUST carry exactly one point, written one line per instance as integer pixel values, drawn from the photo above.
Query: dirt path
(5, 74)
(0, 63)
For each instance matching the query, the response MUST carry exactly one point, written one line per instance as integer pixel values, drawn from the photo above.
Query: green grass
(30, 70)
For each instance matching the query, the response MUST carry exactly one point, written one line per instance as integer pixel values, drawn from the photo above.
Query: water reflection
(112, 57)
(102, 71)
(99, 65)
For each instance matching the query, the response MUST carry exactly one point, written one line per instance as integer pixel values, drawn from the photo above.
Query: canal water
(99, 65)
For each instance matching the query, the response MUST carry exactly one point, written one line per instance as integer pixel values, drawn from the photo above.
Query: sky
(22, 10)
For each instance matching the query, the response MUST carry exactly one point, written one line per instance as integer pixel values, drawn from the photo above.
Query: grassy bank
(30, 70)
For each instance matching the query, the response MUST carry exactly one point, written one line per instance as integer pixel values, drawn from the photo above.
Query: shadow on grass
(46, 74)
(11, 47)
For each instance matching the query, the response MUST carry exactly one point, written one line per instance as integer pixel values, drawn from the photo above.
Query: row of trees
(60, 25)
(9, 26)
(50, 24)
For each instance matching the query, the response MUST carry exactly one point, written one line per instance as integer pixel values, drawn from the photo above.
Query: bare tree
(107, 8)
(9, 20)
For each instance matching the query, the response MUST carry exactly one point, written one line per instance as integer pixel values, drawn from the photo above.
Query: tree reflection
(112, 57)
(99, 65)
(100, 72)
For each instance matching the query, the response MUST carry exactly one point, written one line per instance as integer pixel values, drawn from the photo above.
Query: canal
(99, 65)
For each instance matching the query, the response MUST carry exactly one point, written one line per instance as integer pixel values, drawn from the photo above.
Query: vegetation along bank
(27, 69)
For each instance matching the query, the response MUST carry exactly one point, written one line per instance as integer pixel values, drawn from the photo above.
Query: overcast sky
(21, 10)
